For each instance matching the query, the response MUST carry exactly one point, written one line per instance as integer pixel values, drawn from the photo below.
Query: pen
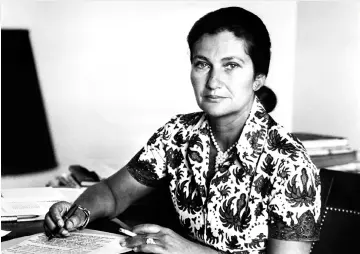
(127, 232)
(23, 218)
(19, 218)
(66, 216)
(28, 216)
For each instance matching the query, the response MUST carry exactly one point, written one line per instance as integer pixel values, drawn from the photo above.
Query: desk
(339, 231)
(21, 229)
(159, 210)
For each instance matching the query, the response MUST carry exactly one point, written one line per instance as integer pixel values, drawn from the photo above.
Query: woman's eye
(201, 65)
(230, 66)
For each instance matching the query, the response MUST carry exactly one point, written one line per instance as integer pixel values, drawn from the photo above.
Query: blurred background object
(25, 137)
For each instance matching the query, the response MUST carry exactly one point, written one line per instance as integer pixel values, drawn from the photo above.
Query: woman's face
(222, 74)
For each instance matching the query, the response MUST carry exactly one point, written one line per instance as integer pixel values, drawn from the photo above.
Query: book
(83, 176)
(329, 150)
(312, 140)
(323, 161)
(349, 167)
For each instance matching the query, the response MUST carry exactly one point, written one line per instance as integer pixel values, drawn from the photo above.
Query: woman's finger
(150, 248)
(47, 231)
(53, 222)
(147, 229)
(156, 236)
(56, 212)
(51, 229)
(49, 223)
(75, 221)
(131, 242)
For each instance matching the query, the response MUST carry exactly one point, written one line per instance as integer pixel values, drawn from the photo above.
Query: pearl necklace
(220, 156)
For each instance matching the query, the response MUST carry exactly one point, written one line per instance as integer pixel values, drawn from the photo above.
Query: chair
(340, 215)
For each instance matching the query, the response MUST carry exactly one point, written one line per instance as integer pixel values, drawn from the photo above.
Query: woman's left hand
(164, 241)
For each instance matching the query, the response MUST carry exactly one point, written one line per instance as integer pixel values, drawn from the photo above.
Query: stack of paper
(27, 204)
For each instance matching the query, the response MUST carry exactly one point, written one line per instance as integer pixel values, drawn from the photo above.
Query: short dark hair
(243, 24)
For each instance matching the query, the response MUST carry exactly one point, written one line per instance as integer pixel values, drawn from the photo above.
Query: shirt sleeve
(294, 208)
(148, 166)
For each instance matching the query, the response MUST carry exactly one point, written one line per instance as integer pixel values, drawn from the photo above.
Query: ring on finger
(150, 240)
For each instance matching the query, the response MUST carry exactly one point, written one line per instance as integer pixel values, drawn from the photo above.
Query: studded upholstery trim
(329, 208)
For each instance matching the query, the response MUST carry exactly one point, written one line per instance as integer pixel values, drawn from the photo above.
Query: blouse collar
(253, 137)
(249, 147)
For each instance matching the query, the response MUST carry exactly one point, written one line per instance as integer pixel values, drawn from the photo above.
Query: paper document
(23, 211)
(40, 194)
(24, 208)
(27, 204)
(77, 242)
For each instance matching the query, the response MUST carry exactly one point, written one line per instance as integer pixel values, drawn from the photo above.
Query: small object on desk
(127, 232)
(83, 176)
(67, 180)
(67, 215)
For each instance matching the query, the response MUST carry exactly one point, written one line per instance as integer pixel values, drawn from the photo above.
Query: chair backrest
(340, 217)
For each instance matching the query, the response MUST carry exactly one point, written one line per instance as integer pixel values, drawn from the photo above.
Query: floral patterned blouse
(267, 188)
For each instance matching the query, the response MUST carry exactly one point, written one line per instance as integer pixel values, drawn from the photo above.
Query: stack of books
(328, 151)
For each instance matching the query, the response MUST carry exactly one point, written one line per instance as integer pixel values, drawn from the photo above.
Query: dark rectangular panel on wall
(25, 137)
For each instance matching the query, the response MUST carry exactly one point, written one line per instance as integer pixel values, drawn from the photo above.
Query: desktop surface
(19, 229)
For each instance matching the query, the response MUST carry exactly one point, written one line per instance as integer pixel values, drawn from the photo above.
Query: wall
(327, 83)
(112, 72)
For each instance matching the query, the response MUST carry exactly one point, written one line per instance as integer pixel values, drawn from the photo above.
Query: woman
(238, 181)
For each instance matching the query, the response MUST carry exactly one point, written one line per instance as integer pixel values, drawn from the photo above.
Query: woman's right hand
(54, 224)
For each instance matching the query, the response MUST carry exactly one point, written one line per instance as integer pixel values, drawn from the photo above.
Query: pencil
(127, 232)
(66, 216)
